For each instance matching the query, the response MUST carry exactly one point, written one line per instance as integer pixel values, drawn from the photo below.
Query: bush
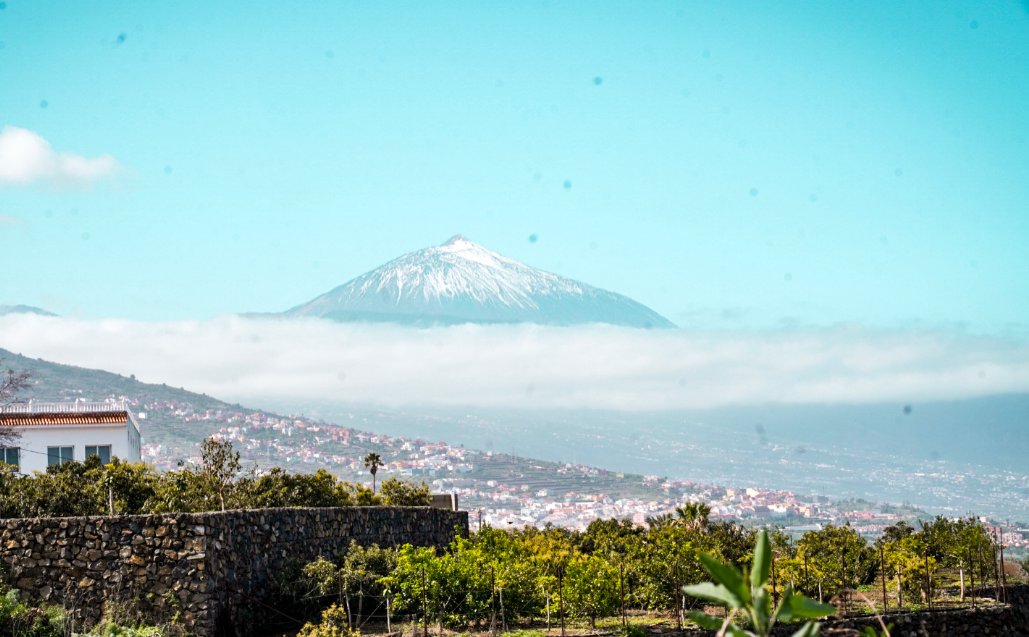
(333, 624)
(16, 618)
(398, 493)
(116, 630)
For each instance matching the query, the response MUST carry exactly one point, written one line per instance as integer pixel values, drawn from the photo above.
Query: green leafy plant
(744, 595)
(334, 623)
(117, 630)
(21, 620)
(633, 630)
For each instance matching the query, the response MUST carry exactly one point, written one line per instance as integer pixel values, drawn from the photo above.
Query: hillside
(24, 309)
(174, 420)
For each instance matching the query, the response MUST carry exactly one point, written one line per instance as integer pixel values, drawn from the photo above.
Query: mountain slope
(23, 309)
(176, 420)
(463, 282)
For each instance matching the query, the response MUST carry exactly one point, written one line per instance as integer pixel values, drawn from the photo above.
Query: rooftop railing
(77, 407)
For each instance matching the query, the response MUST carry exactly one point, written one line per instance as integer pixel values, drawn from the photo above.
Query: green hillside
(175, 420)
(164, 406)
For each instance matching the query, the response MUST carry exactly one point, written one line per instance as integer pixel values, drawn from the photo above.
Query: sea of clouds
(597, 366)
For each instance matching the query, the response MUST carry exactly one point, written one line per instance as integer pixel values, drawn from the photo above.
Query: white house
(54, 433)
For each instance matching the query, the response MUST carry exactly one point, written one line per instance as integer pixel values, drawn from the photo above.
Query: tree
(372, 462)
(591, 588)
(11, 382)
(660, 521)
(220, 464)
(611, 537)
(397, 493)
(914, 557)
(694, 515)
(662, 564)
(451, 588)
(357, 575)
(837, 558)
(131, 484)
(731, 541)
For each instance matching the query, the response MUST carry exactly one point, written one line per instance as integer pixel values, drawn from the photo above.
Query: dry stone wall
(1011, 620)
(986, 621)
(981, 622)
(205, 568)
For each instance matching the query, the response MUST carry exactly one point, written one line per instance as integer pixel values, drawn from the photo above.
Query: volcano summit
(463, 282)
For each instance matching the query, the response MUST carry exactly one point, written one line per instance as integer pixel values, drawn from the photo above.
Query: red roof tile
(92, 418)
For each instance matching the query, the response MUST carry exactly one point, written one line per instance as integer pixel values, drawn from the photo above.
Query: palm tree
(694, 515)
(660, 521)
(372, 462)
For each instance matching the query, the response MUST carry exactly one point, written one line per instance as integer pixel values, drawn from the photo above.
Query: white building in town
(55, 433)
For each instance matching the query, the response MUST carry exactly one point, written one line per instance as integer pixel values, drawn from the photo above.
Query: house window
(59, 455)
(103, 451)
(11, 455)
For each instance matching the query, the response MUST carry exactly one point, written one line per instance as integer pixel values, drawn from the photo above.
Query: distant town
(505, 491)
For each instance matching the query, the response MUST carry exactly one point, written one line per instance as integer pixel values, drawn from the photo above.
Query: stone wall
(207, 568)
(992, 621)
(981, 622)
(1000, 621)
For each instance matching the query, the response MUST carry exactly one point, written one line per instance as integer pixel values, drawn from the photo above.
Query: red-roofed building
(55, 433)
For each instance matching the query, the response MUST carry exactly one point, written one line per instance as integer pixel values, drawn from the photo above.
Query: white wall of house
(122, 437)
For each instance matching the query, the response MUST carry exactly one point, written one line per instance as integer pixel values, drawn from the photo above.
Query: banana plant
(747, 600)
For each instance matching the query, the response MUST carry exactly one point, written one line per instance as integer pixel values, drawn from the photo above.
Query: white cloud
(25, 157)
(530, 366)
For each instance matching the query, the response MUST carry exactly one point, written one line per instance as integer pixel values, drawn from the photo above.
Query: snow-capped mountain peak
(462, 248)
(461, 281)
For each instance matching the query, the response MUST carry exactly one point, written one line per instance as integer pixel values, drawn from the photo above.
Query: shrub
(333, 624)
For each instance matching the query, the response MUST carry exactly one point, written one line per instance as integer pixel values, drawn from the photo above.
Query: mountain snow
(460, 282)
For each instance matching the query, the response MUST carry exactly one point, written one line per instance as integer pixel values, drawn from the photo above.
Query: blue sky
(730, 165)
